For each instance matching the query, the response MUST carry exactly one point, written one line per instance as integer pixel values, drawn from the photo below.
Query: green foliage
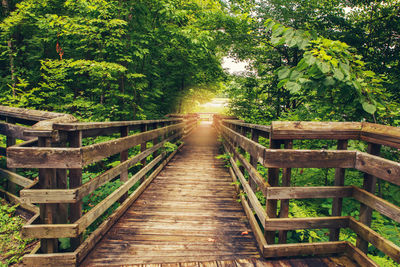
(12, 245)
(170, 147)
(98, 61)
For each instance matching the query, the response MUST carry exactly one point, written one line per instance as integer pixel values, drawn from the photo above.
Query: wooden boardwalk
(189, 216)
(188, 213)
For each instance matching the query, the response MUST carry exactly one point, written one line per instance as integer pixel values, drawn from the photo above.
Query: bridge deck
(188, 214)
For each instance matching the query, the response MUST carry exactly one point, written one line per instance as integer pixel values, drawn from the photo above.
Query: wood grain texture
(382, 168)
(315, 130)
(309, 192)
(380, 205)
(381, 134)
(375, 239)
(185, 214)
(293, 158)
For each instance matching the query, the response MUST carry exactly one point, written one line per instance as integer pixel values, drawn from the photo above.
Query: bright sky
(232, 66)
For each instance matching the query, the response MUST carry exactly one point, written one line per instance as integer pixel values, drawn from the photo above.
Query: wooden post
(75, 180)
(273, 180)
(10, 141)
(124, 131)
(47, 180)
(253, 161)
(370, 186)
(155, 141)
(337, 202)
(143, 128)
(284, 211)
(241, 131)
(61, 183)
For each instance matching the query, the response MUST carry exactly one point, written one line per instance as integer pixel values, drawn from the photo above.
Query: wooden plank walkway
(188, 214)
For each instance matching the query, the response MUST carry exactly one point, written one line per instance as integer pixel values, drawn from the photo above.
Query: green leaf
(283, 73)
(338, 74)
(293, 87)
(370, 108)
(294, 75)
(329, 81)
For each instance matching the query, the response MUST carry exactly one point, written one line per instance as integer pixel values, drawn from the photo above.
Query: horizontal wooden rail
(381, 134)
(375, 239)
(290, 250)
(283, 130)
(261, 214)
(380, 205)
(76, 257)
(296, 130)
(70, 158)
(15, 178)
(236, 144)
(382, 168)
(309, 192)
(29, 115)
(262, 128)
(74, 229)
(276, 224)
(101, 125)
(291, 158)
(253, 173)
(254, 149)
(16, 131)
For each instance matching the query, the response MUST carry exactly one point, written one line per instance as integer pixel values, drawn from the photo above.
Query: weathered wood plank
(291, 158)
(253, 148)
(261, 214)
(289, 250)
(14, 130)
(16, 200)
(97, 152)
(15, 178)
(49, 195)
(308, 192)
(358, 256)
(100, 208)
(105, 177)
(286, 177)
(43, 157)
(375, 239)
(266, 129)
(68, 158)
(380, 205)
(75, 181)
(49, 231)
(258, 233)
(82, 126)
(337, 202)
(281, 130)
(28, 114)
(381, 134)
(306, 223)
(253, 173)
(92, 240)
(382, 168)
(272, 205)
(54, 259)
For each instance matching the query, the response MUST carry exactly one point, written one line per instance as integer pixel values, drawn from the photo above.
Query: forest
(114, 60)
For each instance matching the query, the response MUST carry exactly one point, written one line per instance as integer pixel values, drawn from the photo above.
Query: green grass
(12, 245)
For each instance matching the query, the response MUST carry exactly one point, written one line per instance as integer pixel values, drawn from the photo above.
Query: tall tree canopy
(106, 58)
(318, 59)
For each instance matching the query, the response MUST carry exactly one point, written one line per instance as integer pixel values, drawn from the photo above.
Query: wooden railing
(57, 150)
(240, 138)
(13, 123)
